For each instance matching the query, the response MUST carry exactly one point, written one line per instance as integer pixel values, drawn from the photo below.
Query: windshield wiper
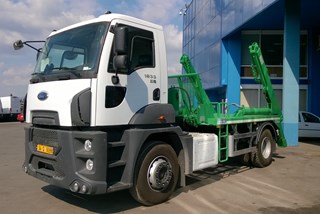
(62, 68)
(68, 70)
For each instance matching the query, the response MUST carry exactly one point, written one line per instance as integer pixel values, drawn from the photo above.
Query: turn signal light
(162, 118)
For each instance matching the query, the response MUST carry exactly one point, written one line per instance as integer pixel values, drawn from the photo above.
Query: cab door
(132, 78)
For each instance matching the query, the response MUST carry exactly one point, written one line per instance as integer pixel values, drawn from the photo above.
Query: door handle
(156, 94)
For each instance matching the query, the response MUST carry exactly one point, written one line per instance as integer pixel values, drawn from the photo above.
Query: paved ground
(290, 185)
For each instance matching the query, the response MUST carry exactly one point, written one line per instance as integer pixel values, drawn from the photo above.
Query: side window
(140, 50)
(141, 53)
(309, 118)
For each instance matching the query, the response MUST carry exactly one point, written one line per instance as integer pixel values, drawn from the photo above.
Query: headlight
(89, 164)
(87, 145)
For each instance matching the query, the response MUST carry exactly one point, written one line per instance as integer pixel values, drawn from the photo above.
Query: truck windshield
(74, 52)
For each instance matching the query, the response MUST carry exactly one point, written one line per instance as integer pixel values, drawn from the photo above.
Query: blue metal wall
(314, 71)
(206, 24)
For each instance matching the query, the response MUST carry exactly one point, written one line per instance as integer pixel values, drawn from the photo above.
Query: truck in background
(1, 110)
(11, 107)
(103, 117)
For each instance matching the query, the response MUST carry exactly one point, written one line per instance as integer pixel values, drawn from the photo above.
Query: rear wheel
(263, 156)
(156, 174)
(246, 159)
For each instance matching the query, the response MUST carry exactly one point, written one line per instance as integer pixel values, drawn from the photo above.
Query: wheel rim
(159, 173)
(266, 147)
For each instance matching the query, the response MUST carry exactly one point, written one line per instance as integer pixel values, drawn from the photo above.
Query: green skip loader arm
(261, 76)
(204, 112)
(195, 80)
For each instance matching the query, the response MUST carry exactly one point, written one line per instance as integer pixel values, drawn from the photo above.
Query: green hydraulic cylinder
(261, 76)
(195, 80)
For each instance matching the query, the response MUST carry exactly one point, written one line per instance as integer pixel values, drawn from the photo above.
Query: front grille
(50, 118)
(44, 164)
(45, 137)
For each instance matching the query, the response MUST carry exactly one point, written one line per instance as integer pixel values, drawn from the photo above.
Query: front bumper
(66, 167)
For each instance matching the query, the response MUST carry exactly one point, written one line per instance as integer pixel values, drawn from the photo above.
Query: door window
(309, 118)
(140, 50)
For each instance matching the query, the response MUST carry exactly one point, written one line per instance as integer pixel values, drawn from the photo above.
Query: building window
(252, 96)
(271, 43)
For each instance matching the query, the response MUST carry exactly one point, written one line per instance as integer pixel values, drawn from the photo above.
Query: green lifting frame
(216, 113)
(261, 76)
(203, 112)
(195, 80)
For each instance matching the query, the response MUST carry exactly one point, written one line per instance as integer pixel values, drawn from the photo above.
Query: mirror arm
(115, 79)
(37, 49)
(30, 46)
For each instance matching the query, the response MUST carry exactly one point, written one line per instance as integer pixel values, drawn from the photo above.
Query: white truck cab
(77, 67)
(97, 95)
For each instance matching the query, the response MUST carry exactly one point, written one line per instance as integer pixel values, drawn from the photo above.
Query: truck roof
(108, 18)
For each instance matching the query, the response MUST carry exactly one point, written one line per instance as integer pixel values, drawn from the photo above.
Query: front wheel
(263, 156)
(156, 174)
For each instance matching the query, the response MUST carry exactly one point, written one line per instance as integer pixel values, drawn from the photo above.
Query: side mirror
(120, 62)
(18, 45)
(120, 40)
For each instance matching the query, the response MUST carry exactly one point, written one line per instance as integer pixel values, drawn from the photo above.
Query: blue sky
(35, 19)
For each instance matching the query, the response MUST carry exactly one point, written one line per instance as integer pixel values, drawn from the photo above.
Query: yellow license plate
(45, 149)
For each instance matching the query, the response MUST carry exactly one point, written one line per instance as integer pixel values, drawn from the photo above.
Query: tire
(265, 148)
(246, 159)
(156, 174)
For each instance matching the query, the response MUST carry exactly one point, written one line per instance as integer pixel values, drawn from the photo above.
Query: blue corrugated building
(217, 34)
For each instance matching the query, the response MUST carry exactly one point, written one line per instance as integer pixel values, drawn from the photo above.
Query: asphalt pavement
(291, 184)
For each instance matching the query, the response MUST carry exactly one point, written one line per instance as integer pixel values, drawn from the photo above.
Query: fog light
(75, 187)
(87, 145)
(25, 169)
(83, 188)
(89, 164)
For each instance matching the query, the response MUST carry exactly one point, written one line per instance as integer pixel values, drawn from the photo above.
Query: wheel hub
(266, 147)
(159, 173)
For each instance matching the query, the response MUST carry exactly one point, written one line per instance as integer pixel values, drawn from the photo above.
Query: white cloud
(35, 19)
(163, 13)
(166, 14)
(18, 75)
(173, 38)
(14, 80)
(32, 20)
